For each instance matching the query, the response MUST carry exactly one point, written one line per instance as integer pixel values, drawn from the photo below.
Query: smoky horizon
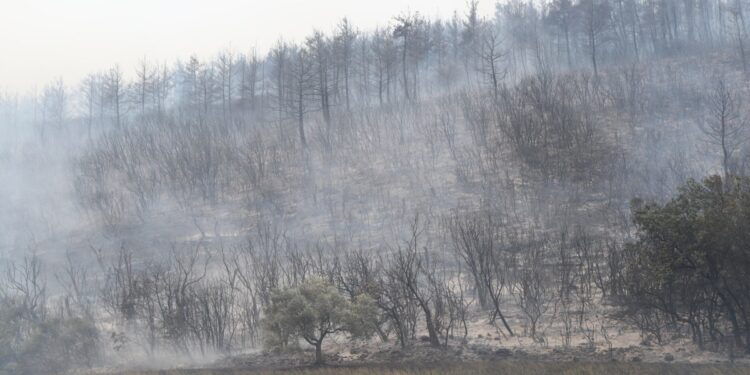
(334, 187)
(45, 40)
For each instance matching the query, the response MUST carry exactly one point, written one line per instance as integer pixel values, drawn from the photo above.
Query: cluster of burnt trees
(548, 123)
(516, 142)
(189, 162)
(240, 126)
(554, 125)
(408, 59)
(685, 272)
(561, 127)
(209, 298)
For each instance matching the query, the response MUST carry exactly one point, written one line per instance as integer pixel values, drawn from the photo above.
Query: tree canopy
(688, 266)
(315, 310)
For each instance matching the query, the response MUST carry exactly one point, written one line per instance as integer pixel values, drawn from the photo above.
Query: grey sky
(44, 39)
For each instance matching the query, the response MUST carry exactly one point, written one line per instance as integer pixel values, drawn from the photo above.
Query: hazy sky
(44, 39)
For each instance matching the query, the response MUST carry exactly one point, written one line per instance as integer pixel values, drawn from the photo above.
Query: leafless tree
(725, 127)
(114, 85)
(55, 106)
(534, 288)
(596, 19)
(90, 88)
(143, 87)
(475, 240)
(491, 56)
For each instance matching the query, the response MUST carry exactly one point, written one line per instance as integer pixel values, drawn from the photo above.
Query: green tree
(689, 264)
(59, 344)
(315, 310)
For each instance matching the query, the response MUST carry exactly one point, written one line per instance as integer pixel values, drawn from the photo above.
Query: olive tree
(315, 310)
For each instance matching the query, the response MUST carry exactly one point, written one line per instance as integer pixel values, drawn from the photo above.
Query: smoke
(140, 193)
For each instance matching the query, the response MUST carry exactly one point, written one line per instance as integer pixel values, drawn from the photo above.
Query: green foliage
(315, 310)
(689, 265)
(44, 346)
(10, 332)
(59, 344)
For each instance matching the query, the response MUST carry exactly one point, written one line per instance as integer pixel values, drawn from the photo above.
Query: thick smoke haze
(283, 183)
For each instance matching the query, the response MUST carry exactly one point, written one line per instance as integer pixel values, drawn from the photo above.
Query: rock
(480, 350)
(503, 352)
(669, 357)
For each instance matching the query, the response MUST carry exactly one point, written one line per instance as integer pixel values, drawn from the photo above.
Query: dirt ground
(481, 368)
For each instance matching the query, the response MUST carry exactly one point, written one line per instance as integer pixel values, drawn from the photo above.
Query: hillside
(563, 182)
